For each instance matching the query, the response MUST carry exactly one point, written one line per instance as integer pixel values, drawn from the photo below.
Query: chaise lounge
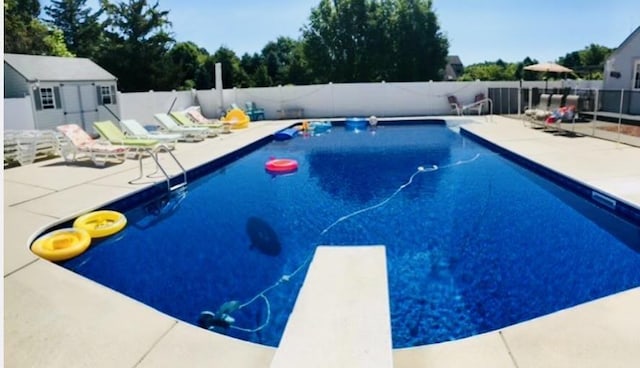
(133, 128)
(78, 144)
(191, 134)
(109, 131)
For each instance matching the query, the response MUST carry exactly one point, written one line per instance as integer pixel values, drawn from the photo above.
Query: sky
(477, 30)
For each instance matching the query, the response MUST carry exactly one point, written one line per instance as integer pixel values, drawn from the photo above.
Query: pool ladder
(153, 153)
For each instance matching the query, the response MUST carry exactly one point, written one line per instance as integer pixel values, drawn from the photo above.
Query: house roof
(55, 68)
(454, 59)
(626, 41)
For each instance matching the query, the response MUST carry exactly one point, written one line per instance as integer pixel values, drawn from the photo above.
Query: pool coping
(44, 303)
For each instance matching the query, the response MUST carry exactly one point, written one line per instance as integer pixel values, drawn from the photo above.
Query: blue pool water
(473, 241)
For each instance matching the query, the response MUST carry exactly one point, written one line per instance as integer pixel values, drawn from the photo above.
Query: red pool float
(281, 166)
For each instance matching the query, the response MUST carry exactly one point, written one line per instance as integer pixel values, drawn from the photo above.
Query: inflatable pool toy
(101, 223)
(356, 124)
(281, 166)
(318, 127)
(304, 126)
(236, 119)
(285, 134)
(63, 244)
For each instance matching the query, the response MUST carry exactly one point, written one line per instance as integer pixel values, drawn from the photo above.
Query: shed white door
(80, 104)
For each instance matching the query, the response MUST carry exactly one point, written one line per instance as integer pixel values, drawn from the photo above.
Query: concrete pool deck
(55, 318)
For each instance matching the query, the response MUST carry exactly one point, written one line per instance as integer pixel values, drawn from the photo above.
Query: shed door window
(46, 98)
(636, 75)
(106, 95)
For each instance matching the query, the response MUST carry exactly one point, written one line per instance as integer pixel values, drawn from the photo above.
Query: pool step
(341, 317)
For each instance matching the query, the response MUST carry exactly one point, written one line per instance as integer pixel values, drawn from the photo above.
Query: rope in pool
(222, 319)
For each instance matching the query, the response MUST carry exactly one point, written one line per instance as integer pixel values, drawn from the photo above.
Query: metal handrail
(153, 153)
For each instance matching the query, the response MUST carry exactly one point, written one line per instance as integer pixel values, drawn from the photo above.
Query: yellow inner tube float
(101, 223)
(63, 244)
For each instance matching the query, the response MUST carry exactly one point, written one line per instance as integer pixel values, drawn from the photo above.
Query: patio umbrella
(548, 68)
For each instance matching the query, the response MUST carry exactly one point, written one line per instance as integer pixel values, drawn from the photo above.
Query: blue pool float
(320, 126)
(356, 123)
(285, 134)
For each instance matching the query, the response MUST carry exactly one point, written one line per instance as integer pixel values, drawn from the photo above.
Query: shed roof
(55, 68)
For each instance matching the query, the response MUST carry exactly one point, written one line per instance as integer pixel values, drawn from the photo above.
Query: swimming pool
(474, 242)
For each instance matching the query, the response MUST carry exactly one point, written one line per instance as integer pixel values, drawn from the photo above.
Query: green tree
(334, 40)
(81, 28)
(278, 57)
(232, 73)
(299, 71)
(260, 77)
(137, 41)
(421, 49)
(186, 58)
(365, 40)
(25, 34)
(205, 74)
(251, 63)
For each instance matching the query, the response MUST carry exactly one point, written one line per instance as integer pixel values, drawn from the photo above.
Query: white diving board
(341, 317)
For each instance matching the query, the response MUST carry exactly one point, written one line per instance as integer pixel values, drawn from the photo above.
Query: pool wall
(603, 200)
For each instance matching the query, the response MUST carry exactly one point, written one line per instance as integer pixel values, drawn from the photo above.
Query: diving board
(341, 317)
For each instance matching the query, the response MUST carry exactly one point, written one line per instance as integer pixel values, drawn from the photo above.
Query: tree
(588, 62)
(421, 49)
(25, 34)
(185, 59)
(137, 41)
(81, 29)
(366, 40)
(278, 57)
(232, 74)
(334, 40)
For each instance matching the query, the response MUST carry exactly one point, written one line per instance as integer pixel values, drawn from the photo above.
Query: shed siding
(14, 84)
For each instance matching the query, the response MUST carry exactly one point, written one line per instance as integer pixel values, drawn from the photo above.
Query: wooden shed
(62, 89)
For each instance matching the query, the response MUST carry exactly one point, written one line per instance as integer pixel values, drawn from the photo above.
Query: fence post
(519, 97)
(333, 107)
(620, 113)
(595, 112)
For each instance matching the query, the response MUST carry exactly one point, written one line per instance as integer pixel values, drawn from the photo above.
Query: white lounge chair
(188, 133)
(134, 129)
(25, 146)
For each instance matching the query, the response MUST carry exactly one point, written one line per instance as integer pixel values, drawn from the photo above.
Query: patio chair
(564, 114)
(78, 144)
(192, 134)
(477, 104)
(215, 127)
(253, 111)
(110, 131)
(555, 103)
(541, 107)
(133, 128)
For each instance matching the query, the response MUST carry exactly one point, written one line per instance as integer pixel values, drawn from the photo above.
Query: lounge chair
(195, 115)
(477, 104)
(542, 107)
(77, 144)
(236, 118)
(133, 128)
(215, 127)
(565, 114)
(192, 134)
(23, 147)
(253, 111)
(110, 131)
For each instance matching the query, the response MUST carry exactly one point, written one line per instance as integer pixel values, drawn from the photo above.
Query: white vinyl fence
(317, 101)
